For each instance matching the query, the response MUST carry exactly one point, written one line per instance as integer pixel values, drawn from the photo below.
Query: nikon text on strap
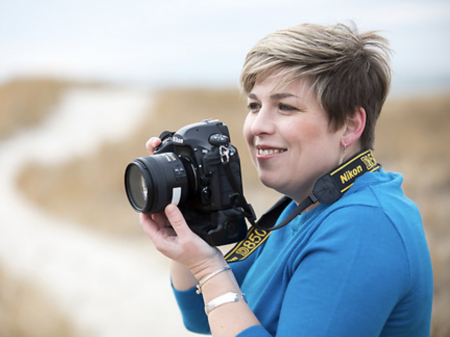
(326, 190)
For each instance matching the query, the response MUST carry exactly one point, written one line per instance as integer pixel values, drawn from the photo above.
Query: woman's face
(289, 137)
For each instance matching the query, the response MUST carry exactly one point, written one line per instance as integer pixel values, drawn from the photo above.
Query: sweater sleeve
(192, 310)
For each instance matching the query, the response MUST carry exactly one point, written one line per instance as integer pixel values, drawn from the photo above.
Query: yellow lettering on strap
(255, 237)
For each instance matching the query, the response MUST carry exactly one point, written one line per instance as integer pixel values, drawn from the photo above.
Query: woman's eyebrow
(274, 96)
(252, 95)
(282, 95)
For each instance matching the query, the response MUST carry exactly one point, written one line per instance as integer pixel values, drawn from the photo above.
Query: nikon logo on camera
(175, 139)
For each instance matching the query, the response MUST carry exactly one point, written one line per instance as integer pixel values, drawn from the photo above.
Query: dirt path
(108, 287)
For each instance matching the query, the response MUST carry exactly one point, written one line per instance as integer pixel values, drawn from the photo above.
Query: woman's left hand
(174, 239)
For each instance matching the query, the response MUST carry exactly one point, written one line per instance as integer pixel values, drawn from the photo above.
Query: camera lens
(137, 187)
(153, 182)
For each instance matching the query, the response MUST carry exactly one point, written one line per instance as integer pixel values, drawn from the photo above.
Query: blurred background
(84, 84)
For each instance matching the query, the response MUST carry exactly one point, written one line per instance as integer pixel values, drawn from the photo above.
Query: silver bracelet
(218, 301)
(202, 282)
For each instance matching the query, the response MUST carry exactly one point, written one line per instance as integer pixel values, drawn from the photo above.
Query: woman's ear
(354, 127)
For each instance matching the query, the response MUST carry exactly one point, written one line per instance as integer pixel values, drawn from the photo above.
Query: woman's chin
(270, 182)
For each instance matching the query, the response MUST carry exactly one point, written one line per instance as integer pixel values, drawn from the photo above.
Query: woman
(359, 266)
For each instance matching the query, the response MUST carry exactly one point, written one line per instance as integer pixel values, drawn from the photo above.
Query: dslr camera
(197, 169)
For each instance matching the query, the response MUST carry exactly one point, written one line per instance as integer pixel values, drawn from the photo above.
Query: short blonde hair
(345, 69)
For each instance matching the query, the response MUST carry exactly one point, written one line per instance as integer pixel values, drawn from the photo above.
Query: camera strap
(327, 189)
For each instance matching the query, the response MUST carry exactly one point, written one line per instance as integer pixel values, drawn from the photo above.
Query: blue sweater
(357, 267)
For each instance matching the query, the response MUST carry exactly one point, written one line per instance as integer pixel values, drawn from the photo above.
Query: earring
(343, 153)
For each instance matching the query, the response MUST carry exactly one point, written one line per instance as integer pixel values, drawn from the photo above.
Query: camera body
(198, 169)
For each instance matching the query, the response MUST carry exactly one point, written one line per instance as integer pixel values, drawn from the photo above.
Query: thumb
(177, 220)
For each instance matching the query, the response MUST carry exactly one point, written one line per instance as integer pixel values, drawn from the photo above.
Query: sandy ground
(107, 287)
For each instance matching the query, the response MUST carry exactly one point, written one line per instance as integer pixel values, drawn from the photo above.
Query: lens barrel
(153, 182)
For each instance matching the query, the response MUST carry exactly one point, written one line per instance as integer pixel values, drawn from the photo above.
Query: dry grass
(25, 311)
(412, 138)
(26, 102)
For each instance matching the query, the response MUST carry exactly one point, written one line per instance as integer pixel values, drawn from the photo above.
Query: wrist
(210, 276)
(208, 266)
(182, 278)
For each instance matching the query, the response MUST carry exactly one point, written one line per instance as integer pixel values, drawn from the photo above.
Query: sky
(203, 42)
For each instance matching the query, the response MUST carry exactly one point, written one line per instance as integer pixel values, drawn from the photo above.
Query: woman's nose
(262, 123)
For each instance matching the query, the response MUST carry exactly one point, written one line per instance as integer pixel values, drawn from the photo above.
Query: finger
(177, 221)
(149, 226)
(161, 220)
(154, 225)
(162, 234)
(152, 144)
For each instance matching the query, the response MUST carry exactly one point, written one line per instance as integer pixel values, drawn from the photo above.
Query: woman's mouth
(268, 152)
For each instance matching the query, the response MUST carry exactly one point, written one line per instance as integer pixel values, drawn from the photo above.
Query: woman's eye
(253, 106)
(285, 107)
